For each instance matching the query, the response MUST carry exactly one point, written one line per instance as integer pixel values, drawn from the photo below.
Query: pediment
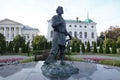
(9, 22)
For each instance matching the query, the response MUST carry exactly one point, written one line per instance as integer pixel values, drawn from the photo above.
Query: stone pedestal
(56, 70)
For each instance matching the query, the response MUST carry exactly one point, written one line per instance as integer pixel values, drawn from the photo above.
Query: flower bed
(95, 60)
(10, 61)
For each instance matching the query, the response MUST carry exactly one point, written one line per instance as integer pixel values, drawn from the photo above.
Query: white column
(19, 31)
(5, 32)
(15, 31)
(10, 34)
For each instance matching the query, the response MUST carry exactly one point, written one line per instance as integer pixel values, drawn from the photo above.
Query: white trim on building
(10, 29)
(83, 30)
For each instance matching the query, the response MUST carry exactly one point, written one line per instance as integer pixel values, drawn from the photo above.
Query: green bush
(107, 49)
(101, 48)
(88, 47)
(83, 48)
(114, 48)
(37, 52)
(95, 48)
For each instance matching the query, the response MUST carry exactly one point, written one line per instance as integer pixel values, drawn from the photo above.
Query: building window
(33, 36)
(80, 26)
(51, 34)
(75, 34)
(7, 35)
(70, 33)
(92, 35)
(85, 42)
(70, 25)
(85, 26)
(28, 36)
(92, 26)
(75, 25)
(80, 34)
(85, 34)
(12, 29)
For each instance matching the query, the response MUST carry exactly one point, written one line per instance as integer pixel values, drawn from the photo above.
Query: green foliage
(95, 48)
(83, 48)
(88, 47)
(118, 42)
(75, 44)
(107, 49)
(39, 43)
(27, 47)
(18, 42)
(2, 44)
(111, 62)
(108, 42)
(37, 52)
(27, 60)
(10, 47)
(114, 49)
(101, 48)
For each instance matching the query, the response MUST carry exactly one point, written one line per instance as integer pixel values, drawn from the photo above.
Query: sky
(35, 13)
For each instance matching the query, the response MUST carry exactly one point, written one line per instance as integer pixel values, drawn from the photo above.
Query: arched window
(51, 34)
(85, 26)
(75, 34)
(92, 35)
(70, 33)
(80, 34)
(85, 34)
(85, 42)
(70, 25)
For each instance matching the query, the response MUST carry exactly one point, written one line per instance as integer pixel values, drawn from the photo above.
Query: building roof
(9, 22)
(88, 20)
(25, 27)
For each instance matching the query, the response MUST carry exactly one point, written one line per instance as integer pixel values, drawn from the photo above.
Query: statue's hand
(70, 36)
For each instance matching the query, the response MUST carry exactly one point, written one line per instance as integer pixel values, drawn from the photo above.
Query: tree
(88, 47)
(113, 32)
(107, 48)
(2, 44)
(101, 48)
(118, 42)
(10, 47)
(101, 38)
(28, 47)
(19, 42)
(95, 48)
(75, 45)
(83, 48)
(114, 49)
(39, 43)
(108, 41)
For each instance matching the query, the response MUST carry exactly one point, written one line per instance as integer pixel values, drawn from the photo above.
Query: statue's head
(59, 10)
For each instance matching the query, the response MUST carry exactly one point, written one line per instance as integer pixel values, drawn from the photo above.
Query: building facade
(10, 29)
(83, 30)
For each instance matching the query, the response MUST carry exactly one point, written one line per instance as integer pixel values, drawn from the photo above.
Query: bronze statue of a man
(59, 37)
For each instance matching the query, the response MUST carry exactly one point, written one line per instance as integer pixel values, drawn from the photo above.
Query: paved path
(96, 56)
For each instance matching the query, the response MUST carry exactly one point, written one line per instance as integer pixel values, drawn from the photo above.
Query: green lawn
(20, 54)
(101, 54)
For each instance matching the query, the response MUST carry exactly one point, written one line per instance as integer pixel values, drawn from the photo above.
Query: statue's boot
(62, 59)
(50, 59)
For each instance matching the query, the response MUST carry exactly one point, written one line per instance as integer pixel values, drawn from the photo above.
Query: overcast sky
(35, 13)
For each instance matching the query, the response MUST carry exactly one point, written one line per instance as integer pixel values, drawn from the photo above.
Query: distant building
(10, 29)
(83, 30)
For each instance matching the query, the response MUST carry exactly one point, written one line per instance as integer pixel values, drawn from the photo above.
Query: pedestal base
(58, 70)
